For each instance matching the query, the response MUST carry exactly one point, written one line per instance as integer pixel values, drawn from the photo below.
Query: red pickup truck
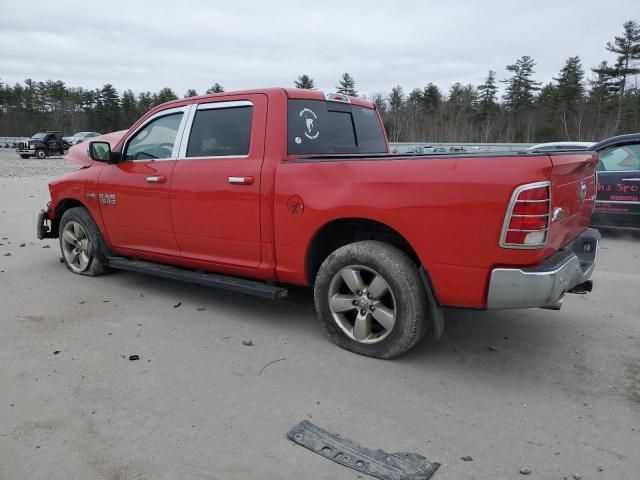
(253, 190)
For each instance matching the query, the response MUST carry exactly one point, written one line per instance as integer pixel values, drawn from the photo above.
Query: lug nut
(359, 293)
(372, 308)
(354, 303)
(369, 295)
(363, 312)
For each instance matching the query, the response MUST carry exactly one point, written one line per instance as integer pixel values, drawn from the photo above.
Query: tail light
(526, 223)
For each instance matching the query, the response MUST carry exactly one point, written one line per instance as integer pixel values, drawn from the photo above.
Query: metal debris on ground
(525, 471)
(467, 458)
(134, 357)
(177, 305)
(247, 343)
(56, 352)
(377, 463)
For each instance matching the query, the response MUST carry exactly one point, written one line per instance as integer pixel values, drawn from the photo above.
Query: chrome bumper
(545, 285)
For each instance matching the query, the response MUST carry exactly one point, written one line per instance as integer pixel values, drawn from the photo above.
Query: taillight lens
(527, 221)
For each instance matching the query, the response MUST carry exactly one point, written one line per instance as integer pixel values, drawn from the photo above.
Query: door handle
(635, 179)
(241, 180)
(157, 179)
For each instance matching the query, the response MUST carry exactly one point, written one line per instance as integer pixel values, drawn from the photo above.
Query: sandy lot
(558, 392)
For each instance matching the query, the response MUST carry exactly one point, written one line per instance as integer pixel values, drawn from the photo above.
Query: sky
(251, 44)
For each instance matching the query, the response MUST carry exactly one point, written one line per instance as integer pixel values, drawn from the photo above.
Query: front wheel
(371, 300)
(81, 243)
(41, 154)
(24, 156)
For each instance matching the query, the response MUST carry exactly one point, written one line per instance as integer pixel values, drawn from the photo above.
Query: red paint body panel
(449, 208)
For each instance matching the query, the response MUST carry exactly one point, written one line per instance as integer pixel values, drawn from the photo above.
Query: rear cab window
(324, 127)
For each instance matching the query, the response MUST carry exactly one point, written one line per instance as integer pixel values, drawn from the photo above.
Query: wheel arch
(61, 207)
(343, 231)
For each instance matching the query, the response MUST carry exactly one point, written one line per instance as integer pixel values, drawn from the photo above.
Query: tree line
(574, 106)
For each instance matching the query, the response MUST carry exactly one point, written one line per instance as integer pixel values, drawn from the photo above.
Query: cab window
(221, 132)
(155, 140)
(626, 157)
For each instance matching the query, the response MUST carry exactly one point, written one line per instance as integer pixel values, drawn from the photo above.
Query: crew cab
(41, 145)
(254, 190)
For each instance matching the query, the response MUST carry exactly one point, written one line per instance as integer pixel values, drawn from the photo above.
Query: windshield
(39, 136)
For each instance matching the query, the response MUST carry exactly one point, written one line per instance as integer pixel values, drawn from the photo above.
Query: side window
(155, 140)
(626, 157)
(220, 132)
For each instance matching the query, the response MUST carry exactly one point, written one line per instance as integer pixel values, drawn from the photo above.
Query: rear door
(215, 193)
(618, 200)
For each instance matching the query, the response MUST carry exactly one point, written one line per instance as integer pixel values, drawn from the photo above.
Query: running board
(224, 282)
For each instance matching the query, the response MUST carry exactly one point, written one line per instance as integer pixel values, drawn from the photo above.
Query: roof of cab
(297, 93)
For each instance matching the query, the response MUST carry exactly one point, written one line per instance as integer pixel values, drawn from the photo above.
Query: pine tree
(521, 87)
(396, 104)
(569, 97)
(347, 85)
(431, 98)
(627, 47)
(216, 88)
(488, 94)
(305, 82)
(488, 105)
(165, 95)
(108, 109)
(129, 108)
(190, 93)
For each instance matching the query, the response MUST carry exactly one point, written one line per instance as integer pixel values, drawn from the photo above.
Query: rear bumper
(546, 284)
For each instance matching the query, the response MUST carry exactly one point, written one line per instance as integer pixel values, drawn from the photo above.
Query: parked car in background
(618, 197)
(559, 146)
(42, 144)
(80, 137)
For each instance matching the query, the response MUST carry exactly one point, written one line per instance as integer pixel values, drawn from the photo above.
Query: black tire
(41, 154)
(404, 284)
(95, 249)
(24, 156)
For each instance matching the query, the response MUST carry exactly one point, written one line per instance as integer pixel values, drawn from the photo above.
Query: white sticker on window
(310, 118)
(298, 140)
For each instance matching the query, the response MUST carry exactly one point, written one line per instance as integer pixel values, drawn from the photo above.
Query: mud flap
(378, 463)
(437, 316)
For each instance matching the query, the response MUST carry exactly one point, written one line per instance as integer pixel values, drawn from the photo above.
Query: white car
(80, 137)
(559, 146)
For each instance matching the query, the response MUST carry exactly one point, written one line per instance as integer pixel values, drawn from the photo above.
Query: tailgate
(573, 192)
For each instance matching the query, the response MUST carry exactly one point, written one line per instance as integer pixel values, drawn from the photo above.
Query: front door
(134, 193)
(618, 199)
(215, 194)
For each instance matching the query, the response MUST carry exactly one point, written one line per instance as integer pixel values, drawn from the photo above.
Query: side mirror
(100, 151)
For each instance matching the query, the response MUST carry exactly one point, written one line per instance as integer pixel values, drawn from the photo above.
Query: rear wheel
(371, 300)
(41, 154)
(81, 243)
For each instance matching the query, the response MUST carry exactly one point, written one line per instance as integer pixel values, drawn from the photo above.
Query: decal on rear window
(310, 119)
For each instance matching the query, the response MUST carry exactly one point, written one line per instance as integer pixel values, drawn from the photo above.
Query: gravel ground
(555, 392)
(12, 166)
